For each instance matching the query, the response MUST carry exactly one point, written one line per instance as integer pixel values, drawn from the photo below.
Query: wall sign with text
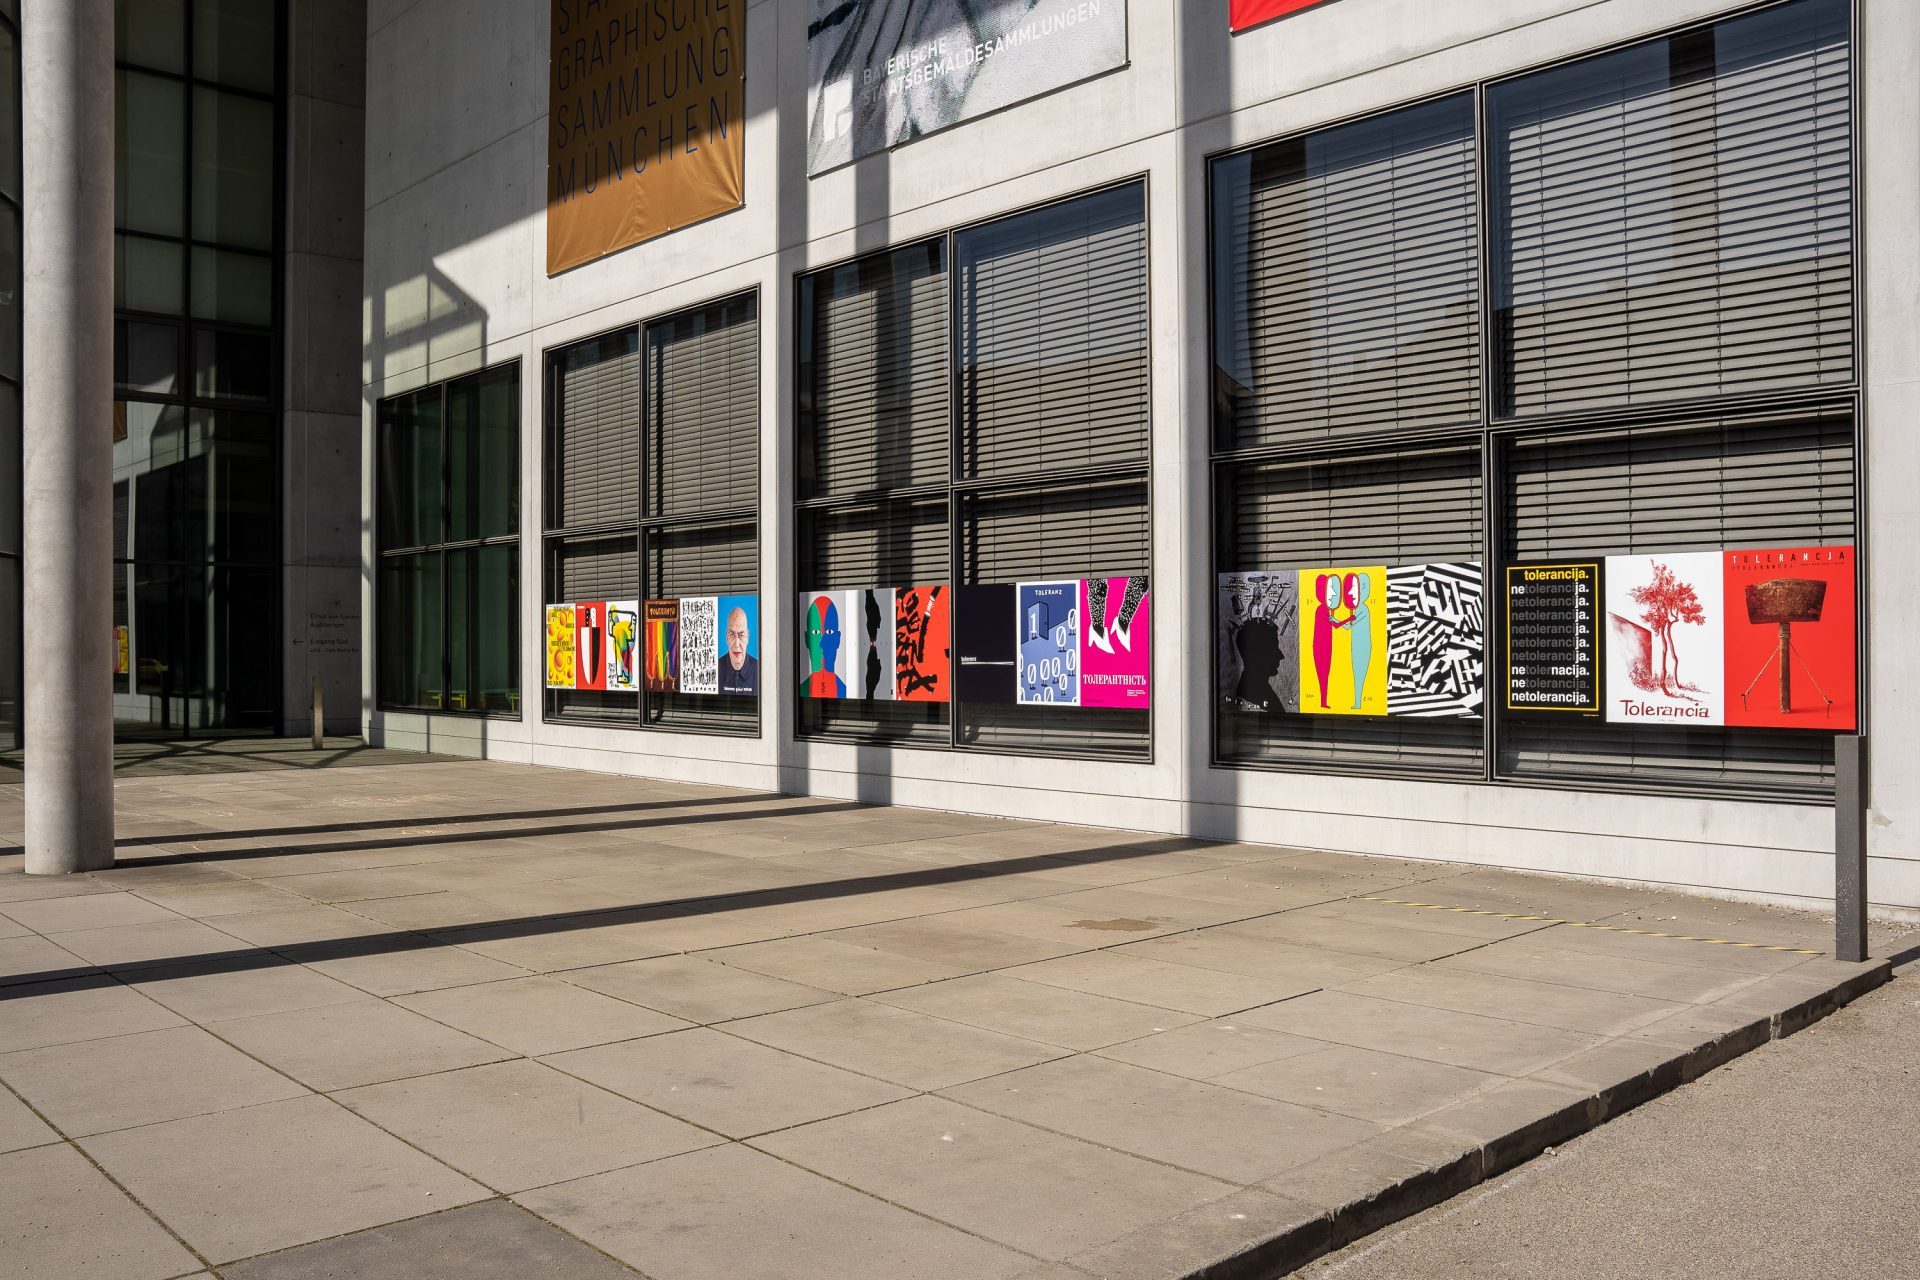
(646, 121)
(884, 72)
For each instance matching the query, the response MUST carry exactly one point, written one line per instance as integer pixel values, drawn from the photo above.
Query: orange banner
(646, 121)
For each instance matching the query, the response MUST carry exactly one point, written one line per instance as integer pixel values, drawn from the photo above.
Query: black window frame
(1498, 432)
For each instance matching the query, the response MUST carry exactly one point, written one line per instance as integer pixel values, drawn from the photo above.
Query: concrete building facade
(456, 284)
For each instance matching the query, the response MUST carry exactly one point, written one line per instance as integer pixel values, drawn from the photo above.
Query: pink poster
(1116, 643)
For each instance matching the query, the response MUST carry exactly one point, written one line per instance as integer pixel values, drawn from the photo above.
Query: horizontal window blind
(1675, 219)
(1063, 532)
(1705, 487)
(1052, 312)
(901, 543)
(593, 454)
(873, 385)
(1412, 506)
(594, 568)
(1347, 280)
(703, 410)
(705, 560)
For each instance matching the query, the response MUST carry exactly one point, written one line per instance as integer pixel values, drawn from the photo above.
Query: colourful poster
(1343, 641)
(739, 661)
(623, 644)
(1116, 643)
(1048, 632)
(824, 661)
(1666, 639)
(922, 653)
(1259, 641)
(662, 646)
(1436, 639)
(590, 645)
(699, 644)
(561, 639)
(122, 661)
(1792, 639)
(872, 624)
(1242, 14)
(987, 643)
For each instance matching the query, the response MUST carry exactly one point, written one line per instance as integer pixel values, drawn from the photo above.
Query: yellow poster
(646, 121)
(560, 646)
(121, 661)
(1343, 641)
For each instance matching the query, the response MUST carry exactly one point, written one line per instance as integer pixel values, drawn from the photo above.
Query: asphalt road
(1800, 1160)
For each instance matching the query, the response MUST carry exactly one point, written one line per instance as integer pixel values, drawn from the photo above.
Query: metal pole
(319, 714)
(1850, 847)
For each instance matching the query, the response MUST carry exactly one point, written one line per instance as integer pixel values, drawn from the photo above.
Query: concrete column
(67, 499)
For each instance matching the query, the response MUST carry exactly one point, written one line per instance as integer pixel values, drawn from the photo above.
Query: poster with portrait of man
(739, 646)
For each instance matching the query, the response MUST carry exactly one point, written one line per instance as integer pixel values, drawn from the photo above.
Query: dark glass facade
(9, 376)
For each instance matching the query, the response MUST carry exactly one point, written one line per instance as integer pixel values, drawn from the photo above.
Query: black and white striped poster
(1436, 640)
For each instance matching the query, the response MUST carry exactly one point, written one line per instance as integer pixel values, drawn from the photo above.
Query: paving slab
(1439, 1035)
(341, 1046)
(493, 1240)
(1204, 1050)
(245, 987)
(730, 1212)
(893, 1044)
(697, 989)
(46, 1013)
(144, 1078)
(1385, 1088)
(19, 1127)
(62, 1218)
(1036, 1011)
(1180, 987)
(535, 1016)
(31, 958)
(518, 1125)
(248, 1181)
(399, 966)
(96, 911)
(135, 946)
(835, 965)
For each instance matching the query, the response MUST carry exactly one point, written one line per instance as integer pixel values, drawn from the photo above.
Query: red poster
(1791, 638)
(590, 637)
(922, 653)
(1251, 13)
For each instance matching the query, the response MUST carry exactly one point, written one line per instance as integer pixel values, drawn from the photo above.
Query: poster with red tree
(1665, 662)
(1792, 638)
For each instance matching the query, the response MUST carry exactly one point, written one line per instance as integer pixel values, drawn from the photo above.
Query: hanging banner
(1116, 643)
(922, 658)
(662, 646)
(623, 645)
(646, 110)
(1343, 641)
(1553, 637)
(884, 72)
(1792, 638)
(1258, 642)
(739, 674)
(1666, 636)
(1436, 636)
(561, 638)
(1242, 14)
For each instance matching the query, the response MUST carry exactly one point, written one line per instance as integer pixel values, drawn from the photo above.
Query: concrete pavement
(485, 1020)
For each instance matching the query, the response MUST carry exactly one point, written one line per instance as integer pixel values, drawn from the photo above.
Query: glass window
(9, 470)
(412, 655)
(483, 494)
(151, 33)
(232, 169)
(9, 290)
(233, 42)
(147, 357)
(242, 483)
(150, 178)
(483, 649)
(148, 275)
(235, 287)
(410, 470)
(9, 112)
(232, 366)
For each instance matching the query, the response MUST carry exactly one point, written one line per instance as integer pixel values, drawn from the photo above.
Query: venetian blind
(1675, 219)
(593, 457)
(1705, 487)
(1052, 309)
(1416, 506)
(1347, 280)
(873, 374)
(703, 410)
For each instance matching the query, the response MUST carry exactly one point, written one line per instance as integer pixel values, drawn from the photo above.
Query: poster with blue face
(739, 645)
(1048, 626)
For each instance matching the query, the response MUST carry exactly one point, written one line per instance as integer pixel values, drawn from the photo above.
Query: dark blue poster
(1049, 638)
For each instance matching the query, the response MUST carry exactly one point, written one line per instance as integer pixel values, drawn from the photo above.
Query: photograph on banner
(1554, 633)
(661, 645)
(824, 658)
(623, 645)
(986, 643)
(1242, 14)
(1666, 639)
(1343, 640)
(645, 122)
(922, 651)
(1792, 638)
(1116, 643)
(1048, 630)
(699, 644)
(873, 622)
(739, 660)
(561, 640)
(590, 645)
(1436, 640)
(1259, 641)
(884, 72)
